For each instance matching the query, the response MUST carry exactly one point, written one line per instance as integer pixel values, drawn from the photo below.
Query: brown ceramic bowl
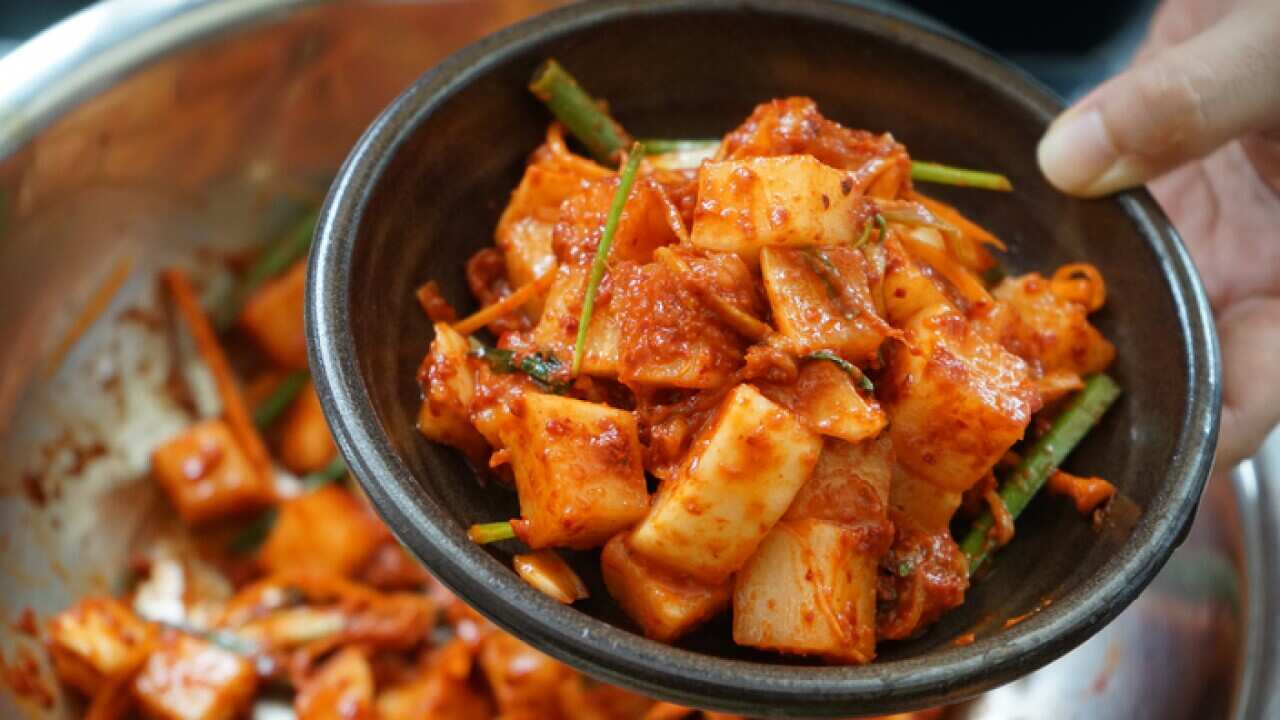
(423, 189)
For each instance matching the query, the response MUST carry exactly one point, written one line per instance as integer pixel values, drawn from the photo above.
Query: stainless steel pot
(142, 133)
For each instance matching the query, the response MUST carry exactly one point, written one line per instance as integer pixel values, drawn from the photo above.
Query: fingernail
(1078, 157)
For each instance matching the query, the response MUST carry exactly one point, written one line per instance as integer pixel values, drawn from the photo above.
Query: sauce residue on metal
(33, 487)
(24, 679)
(1019, 618)
(26, 623)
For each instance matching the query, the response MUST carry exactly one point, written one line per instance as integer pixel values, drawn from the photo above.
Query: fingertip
(1078, 156)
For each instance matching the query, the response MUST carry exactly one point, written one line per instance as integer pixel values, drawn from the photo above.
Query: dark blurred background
(1070, 46)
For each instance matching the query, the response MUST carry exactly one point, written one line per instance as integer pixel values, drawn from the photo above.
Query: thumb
(1177, 105)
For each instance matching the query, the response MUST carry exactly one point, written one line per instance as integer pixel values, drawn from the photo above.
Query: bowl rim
(620, 656)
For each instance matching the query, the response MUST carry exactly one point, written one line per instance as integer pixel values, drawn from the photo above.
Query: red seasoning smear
(26, 624)
(24, 679)
(33, 486)
(1015, 620)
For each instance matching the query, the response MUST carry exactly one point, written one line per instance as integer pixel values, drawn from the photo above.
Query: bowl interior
(435, 172)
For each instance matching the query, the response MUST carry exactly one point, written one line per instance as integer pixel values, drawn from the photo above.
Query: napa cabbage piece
(526, 227)
(926, 505)
(850, 486)
(557, 329)
(956, 401)
(794, 126)
(827, 400)
(669, 336)
(820, 300)
(740, 475)
(906, 288)
(795, 200)
(448, 383)
(644, 226)
(578, 471)
(664, 605)
(1052, 333)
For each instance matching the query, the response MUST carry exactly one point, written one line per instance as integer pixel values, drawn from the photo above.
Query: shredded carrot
(1086, 492)
(1080, 283)
(963, 640)
(506, 305)
(969, 287)
(953, 216)
(233, 403)
(433, 303)
(98, 303)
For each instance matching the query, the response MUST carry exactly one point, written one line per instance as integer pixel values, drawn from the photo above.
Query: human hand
(1198, 118)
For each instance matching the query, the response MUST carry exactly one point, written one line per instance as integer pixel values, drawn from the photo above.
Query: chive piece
(579, 112)
(866, 234)
(663, 146)
(1083, 411)
(816, 262)
(543, 369)
(883, 226)
(275, 259)
(254, 534)
(626, 179)
(485, 533)
(947, 175)
(854, 371)
(281, 396)
(499, 360)
(331, 473)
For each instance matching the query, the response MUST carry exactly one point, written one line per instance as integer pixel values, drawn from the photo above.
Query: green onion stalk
(1082, 412)
(626, 178)
(280, 398)
(603, 137)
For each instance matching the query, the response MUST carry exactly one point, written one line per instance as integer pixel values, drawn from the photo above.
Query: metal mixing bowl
(145, 132)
